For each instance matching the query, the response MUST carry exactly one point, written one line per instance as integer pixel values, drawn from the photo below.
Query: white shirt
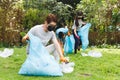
(80, 25)
(44, 36)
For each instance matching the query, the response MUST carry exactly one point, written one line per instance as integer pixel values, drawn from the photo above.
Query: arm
(61, 45)
(76, 33)
(59, 49)
(83, 23)
(26, 37)
(62, 58)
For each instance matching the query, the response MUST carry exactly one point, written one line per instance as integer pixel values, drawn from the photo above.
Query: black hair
(60, 35)
(79, 15)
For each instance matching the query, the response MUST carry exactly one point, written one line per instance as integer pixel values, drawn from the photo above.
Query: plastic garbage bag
(68, 45)
(6, 53)
(96, 54)
(83, 33)
(64, 30)
(84, 54)
(39, 62)
(73, 41)
(67, 67)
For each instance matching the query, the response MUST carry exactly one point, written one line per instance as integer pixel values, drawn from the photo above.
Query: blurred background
(18, 16)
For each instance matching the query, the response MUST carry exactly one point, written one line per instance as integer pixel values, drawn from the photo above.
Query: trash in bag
(83, 33)
(39, 62)
(96, 54)
(67, 67)
(6, 53)
(68, 46)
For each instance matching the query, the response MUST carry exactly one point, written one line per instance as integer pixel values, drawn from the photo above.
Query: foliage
(63, 12)
(73, 3)
(35, 4)
(10, 21)
(18, 16)
(104, 16)
(34, 17)
(100, 13)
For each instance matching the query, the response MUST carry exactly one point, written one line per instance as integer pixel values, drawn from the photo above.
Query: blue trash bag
(68, 46)
(83, 33)
(64, 30)
(73, 41)
(39, 62)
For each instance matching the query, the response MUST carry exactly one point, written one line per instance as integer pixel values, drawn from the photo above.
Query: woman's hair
(50, 18)
(60, 35)
(79, 15)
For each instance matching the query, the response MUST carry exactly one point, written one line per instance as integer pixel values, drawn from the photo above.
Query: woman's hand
(63, 59)
(25, 38)
(77, 36)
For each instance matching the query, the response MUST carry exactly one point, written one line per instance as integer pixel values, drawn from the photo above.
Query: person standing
(78, 23)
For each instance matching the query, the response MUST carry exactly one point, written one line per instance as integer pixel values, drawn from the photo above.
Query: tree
(63, 12)
(100, 12)
(104, 16)
(10, 21)
(73, 3)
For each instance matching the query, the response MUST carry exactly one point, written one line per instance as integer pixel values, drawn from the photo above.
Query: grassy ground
(86, 68)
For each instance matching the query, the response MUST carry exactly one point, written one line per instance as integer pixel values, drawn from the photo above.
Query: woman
(45, 33)
(78, 23)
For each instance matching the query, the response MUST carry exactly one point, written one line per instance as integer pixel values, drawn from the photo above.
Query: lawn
(86, 68)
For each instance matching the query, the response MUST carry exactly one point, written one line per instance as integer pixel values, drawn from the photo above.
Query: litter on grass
(92, 53)
(6, 53)
(67, 67)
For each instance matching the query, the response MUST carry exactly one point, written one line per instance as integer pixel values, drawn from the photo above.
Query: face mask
(50, 28)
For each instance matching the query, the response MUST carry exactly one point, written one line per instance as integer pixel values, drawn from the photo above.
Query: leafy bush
(11, 16)
(101, 13)
(64, 12)
(34, 17)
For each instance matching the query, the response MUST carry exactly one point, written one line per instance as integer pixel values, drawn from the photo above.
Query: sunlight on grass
(86, 68)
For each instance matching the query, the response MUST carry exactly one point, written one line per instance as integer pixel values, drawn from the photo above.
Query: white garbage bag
(96, 54)
(6, 53)
(67, 67)
(84, 54)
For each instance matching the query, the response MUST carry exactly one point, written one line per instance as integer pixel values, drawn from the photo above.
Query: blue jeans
(77, 42)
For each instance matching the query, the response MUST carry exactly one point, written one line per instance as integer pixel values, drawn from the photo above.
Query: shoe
(75, 52)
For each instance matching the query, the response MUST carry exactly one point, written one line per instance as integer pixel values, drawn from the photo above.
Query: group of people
(54, 41)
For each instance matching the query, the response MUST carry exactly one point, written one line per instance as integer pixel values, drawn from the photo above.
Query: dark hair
(60, 35)
(50, 18)
(79, 15)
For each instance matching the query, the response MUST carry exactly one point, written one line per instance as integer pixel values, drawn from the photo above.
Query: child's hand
(25, 38)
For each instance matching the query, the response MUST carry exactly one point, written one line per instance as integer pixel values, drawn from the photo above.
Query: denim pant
(77, 42)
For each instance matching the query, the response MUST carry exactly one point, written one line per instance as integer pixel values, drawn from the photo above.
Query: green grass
(86, 68)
